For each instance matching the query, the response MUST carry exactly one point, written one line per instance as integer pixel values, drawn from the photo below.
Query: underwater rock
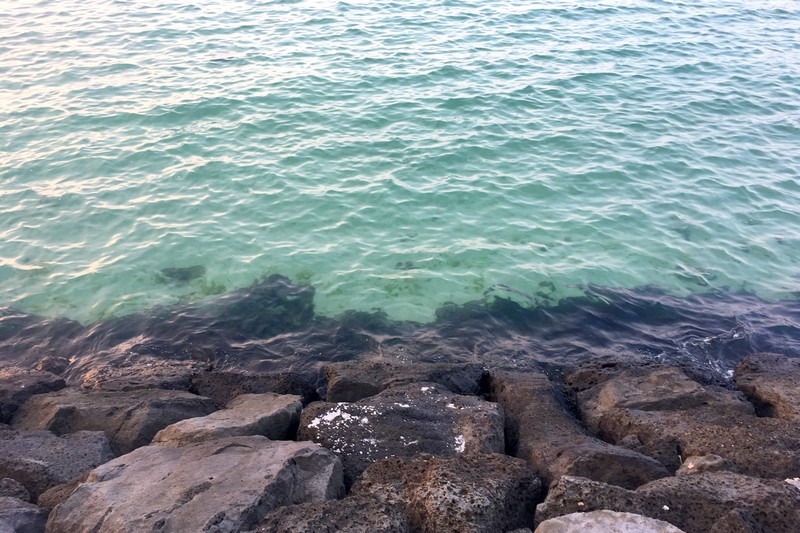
(271, 415)
(539, 431)
(130, 418)
(181, 274)
(225, 485)
(403, 421)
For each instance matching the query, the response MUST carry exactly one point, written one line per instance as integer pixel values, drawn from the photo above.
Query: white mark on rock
(425, 389)
(451, 405)
(666, 507)
(795, 482)
(402, 405)
(460, 444)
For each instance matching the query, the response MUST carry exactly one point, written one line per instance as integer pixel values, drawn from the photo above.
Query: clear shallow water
(396, 155)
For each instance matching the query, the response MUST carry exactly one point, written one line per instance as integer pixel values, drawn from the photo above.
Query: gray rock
(354, 514)
(59, 493)
(705, 463)
(223, 386)
(14, 489)
(605, 521)
(274, 416)
(351, 381)
(770, 382)
(19, 384)
(464, 493)
(40, 460)
(142, 372)
(17, 516)
(693, 503)
(225, 485)
(403, 421)
(694, 420)
(130, 418)
(539, 431)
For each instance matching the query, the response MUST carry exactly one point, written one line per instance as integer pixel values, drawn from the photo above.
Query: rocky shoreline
(391, 446)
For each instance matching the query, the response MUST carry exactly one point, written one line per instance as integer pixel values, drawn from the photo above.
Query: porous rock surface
(605, 521)
(129, 418)
(40, 460)
(770, 382)
(663, 413)
(693, 503)
(17, 516)
(141, 372)
(351, 381)
(19, 384)
(14, 489)
(225, 485)
(403, 421)
(274, 416)
(539, 431)
(223, 386)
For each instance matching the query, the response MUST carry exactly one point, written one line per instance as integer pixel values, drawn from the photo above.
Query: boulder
(223, 386)
(14, 489)
(225, 485)
(403, 421)
(17, 516)
(129, 418)
(661, 412)
(19, 384)
(464, 493)
(770, 382)
(142, 372)
(354, 514)
(539, 431)
(40, 460)
(605, 521)
(59, 493)
(274, 416)
(705, 463)
(351, 381)
(693, 503)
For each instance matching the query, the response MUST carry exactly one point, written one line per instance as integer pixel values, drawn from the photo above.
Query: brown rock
(693, 503)
(771, 381)
(55, 495)
(130, 419)
(705, 463)
(19, 384)
(539, 431)
(224, 386)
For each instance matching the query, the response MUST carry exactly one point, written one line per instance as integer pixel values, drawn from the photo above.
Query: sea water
(396, 155)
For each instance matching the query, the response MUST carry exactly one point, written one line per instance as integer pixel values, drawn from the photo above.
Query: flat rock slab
(771, 381)
(19, 384)
(663, 413)
(17, 516)
(129, 418)
(539, 431)
(464, 493)
(351, 381)
(142, 372)
(225, 485)
(605, 521)
(274, 416)
(40, 460)
(223, 386)
(403, 421)
(697, 504)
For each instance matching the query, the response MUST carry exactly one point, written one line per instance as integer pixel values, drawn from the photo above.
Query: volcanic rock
(274, 416)
(142, 372)
(402, 422)
(223, 386)
(771, 381)
(17, 516)
(130, 418)
(225, 485)
(14, 489)
(19, 384)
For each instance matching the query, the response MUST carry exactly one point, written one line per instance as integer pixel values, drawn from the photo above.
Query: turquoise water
(396, 155)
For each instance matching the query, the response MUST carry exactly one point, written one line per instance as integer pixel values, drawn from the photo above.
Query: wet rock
(539, 431)
(403, 421)
(463, 493)
(55, 495)
(40, 460)
(705, 463)
(142, 373)
(770, 382)
(181, 275)
(274, 416)
(19, 384)
(693, 503)
(14, 489)
(351, 381)
(223, 386)
(354, 514)
(17, 516)
(225, 485)
(130, 419)
(663, 413)
(605, 521)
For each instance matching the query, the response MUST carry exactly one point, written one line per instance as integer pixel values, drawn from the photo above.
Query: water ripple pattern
(397, 155)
